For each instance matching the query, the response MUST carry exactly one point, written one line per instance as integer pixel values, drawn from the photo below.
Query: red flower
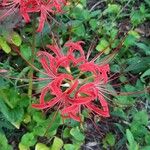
(15, 5)
(72, 86)
(46, 8)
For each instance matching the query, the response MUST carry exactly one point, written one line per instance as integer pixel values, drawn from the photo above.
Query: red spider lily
(46, 8)
(32, 6)
(23, 6)
(73, 93)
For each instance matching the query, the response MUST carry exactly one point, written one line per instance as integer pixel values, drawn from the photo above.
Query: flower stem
(30, 75)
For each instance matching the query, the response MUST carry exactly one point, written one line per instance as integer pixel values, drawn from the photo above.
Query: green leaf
(138, 130)
(66, 133)
(103, 45)
(4, 142)
(144, 47)
(25, 51)
(22, 147)
(4, 46)
(93, 23)
(119, 113)
(56, 123)
(41, 146)
(132, 143)
(77, 27)
(130, 41)
(109, 140)
(69, 147)
(57, 144)
(147, 138)
(77, 134)
(112, 9)
(137, 17)
(16, 39)
(79, 30)
(28, 139)
(138, 64)
(141, 117)
(13, 115)
(124, 101)
(146, 74)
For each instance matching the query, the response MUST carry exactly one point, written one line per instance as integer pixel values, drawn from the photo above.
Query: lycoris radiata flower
(75, 83)
(26, 7)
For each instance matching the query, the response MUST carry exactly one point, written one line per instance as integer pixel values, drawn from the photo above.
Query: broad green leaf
(69, 147)
(25, 51)
(77, 134)
(57, 144)
(38, 116)
(55, 123)
(109, 140)
(93, 23)
(28, 139)
(4, 46)
(14, 115)
(22, 147)
(4, 142)
(137, 17)
(141, 117)
(132, 143)
(112, 9)
(124, 101)
(66, 133)
(130, 40)
(119, 113)
(77, 27)
(40, 130)
(41, 146)
(138, 130)
(79, 13)
(103, 45)
(79, 30)
(147, 138)
(138, 64)
(16, 39)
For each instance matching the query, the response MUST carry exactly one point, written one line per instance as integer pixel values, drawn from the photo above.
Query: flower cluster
(44, 7)
(75, 83)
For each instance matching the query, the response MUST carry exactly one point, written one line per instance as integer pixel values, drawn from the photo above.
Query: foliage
(116, 30)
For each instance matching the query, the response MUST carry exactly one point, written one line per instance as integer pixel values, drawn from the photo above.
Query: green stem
(30, 75)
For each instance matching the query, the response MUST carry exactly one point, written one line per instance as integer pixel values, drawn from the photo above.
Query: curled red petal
(69, 109)
(42, 20)
(46, 67)
(97, 110)
(49, 104)
(83, 100)
(48, 63)
(56, 50)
